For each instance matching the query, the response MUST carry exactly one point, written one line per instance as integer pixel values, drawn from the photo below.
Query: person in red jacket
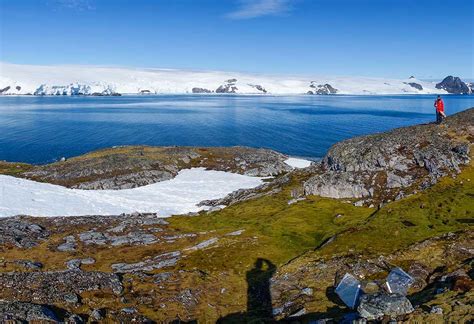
(439, 105)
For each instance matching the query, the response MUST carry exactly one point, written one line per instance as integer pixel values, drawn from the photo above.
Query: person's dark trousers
(439, 118)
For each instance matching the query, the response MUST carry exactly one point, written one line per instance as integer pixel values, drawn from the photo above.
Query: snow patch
(298, 163)
(176, 196)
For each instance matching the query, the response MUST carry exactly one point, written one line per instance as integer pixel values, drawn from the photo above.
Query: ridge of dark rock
(388, 165)
(453, 85)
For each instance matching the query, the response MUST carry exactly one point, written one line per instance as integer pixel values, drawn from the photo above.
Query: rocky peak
(453, 85)
(229, 86)
(321, 89)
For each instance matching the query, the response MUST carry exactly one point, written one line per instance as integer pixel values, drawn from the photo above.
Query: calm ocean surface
(44, 129)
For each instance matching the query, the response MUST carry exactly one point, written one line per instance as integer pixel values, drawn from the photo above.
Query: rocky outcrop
(289, 284)
(321, 89)
(101, 94)
(21, 233)
(56, 286)
(69, 245)
(386, 166)
(258, 87)
(241, 195)
(160, 261)
(134, 166)
(127, 181)
(376, 306)
(453, 85)
(415, 85)
(4, 89)
(131, 238)
(201, 90)
(229, 86)
(18, 312)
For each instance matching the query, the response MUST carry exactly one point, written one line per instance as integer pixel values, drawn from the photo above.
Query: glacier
(16, 79)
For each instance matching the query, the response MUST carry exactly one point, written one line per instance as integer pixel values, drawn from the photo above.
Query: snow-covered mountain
(91, 80)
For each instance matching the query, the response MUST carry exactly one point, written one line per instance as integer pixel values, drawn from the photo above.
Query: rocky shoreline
(285, 244)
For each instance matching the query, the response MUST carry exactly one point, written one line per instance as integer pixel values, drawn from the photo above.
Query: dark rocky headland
(403, 198)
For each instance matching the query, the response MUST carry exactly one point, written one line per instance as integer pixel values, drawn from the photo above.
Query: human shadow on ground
(259, 299)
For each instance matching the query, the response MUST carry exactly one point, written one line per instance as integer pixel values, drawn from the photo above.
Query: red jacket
(439, 105)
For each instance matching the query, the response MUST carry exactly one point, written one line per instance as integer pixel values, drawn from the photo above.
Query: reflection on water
(43, 129)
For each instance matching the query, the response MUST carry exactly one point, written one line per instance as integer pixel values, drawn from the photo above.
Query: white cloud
(257, 8)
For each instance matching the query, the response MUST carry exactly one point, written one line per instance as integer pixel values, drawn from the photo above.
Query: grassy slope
(14, 169)
(448, 206)
(278, 232)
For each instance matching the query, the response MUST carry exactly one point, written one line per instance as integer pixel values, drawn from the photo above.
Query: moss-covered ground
(273, 230)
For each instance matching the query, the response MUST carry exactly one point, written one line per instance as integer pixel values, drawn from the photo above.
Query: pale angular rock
(160, 261)
(377, 305)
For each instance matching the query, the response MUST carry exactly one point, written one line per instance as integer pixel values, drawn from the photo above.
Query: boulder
(97, 314)
(75, 264)
(160, 261)
(69, 245)
(29, 264)
(453, 85)
(203, 245)
(378, 305)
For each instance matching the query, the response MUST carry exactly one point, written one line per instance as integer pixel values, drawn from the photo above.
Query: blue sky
(390, 38)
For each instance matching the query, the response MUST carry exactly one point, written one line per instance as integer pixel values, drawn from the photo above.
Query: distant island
(115, 81)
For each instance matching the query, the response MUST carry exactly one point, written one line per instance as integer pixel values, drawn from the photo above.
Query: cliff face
(382, 167)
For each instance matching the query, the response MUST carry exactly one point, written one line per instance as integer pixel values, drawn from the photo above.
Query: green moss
(446, 207)
(13, 169)
(279, 232)
(273, 229)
